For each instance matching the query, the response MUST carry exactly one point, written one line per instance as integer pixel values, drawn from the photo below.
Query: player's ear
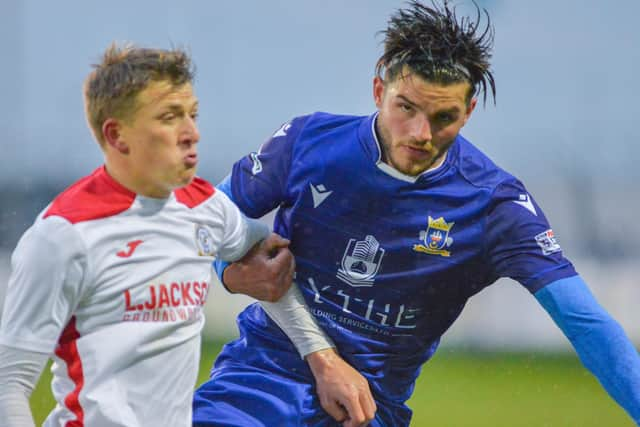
(378, 91)
(112, 134)
(470, 107)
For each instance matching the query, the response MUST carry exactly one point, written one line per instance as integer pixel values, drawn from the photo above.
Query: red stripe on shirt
(195, 193)
(93, 197)
(67, 350)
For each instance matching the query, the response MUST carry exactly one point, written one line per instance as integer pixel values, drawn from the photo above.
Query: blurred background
(563, 122)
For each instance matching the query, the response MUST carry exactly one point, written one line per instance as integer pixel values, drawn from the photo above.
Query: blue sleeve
(225, 187)
(258, 182)
(521, 244)
(601, 343)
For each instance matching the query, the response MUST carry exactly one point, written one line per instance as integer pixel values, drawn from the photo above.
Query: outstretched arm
(601, 343)
(344, 393)
(258, 184)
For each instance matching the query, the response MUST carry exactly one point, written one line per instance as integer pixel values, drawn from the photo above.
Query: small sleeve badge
(547, 242)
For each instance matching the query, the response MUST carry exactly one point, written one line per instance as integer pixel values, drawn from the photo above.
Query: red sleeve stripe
(67, 350)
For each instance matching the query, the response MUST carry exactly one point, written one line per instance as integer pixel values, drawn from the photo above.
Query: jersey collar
(141, 202)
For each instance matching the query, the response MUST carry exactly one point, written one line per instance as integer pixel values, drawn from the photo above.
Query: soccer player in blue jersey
(395, 220)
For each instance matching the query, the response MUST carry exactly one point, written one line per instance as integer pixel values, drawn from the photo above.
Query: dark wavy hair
(439, 47)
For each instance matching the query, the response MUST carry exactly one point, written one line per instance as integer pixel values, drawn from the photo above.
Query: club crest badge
(436, 238)
(361, 262)
(204, 241)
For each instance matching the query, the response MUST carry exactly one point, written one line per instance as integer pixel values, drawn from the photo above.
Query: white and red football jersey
(112, 285)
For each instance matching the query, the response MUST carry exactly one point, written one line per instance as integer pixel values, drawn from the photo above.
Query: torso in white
(113, 285)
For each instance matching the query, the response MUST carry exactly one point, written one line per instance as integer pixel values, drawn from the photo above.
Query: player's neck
(123, 175)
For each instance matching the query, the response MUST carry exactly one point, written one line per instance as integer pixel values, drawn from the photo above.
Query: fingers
(275, 241)
(282, 256)
(360, 407)
(339, 383)
(292, 268)
(266, 249)
(274, 275)
(355, 414)
(368, 405)
(265, 272)
(287, 270)
(336, 410)
(283, 263)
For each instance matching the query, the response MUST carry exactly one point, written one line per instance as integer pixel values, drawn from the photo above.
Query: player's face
(419, 120)
(162, 138)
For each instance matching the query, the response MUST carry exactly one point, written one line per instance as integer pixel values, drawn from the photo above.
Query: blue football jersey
(385, 261)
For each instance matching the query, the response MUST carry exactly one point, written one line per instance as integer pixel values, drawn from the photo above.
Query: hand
(344, 393)
(265, 272)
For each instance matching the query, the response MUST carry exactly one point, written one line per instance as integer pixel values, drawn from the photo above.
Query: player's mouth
(191, 160)
(417, 153)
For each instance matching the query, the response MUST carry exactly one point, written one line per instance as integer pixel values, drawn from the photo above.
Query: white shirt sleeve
(45, 286)
(19, 373)
(240, 233)
(292, 315)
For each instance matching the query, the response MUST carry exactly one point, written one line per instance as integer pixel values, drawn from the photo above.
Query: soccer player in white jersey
(111, 278)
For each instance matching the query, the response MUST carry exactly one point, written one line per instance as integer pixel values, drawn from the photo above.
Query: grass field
(479, 389)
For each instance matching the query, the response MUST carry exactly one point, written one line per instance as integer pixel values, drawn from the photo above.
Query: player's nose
(422, 129)
(190, 133)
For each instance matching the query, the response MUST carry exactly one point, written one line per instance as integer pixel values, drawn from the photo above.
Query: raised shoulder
(93, 197)
(478, 169)
(326, 130)
(196, 193)
(324, 122)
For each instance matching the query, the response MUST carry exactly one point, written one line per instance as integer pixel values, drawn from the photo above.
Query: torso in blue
(386, 262)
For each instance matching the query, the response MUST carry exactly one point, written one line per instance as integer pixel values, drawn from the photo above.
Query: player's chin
(410, 163)
(186, 177)
(412, 168)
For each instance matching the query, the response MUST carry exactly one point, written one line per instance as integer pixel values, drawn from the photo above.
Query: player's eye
(445, 118)
(194, 116)
(167, 117)
(406, 108)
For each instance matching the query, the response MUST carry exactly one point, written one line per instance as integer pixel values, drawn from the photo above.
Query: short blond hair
(111, 88)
